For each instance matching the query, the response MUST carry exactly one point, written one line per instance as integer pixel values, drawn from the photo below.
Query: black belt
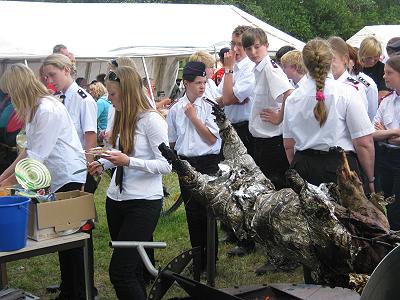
(388, 148)
(241, 124)
(274, 138)
(201, 159)
(321, 152)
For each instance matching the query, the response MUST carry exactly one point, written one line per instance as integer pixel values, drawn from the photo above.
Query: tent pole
(153, 103)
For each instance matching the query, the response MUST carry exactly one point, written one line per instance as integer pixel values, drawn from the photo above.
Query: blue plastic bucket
(13, 222)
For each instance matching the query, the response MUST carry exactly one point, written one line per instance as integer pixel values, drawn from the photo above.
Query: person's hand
(118, 158)
(190, 111)
(209, 73)
(162, 103)
(379, 126)
(229, 59)
(95, 168)
(10, 181)
(271, 116)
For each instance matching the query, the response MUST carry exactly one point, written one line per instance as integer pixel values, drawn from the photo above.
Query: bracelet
(372, 180)
(101, 164)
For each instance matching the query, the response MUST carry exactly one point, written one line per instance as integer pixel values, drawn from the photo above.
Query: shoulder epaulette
(274, 64)
(82, 93)
(352, 80)
(363, 81)
(351, 84)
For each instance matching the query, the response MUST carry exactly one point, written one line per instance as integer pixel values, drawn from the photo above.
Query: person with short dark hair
(271, 89)
(194, 135)
(281, 52)
(219, 74)
(101, 78)
(393, 46)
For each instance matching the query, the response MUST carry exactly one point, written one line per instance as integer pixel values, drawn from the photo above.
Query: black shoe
(240, 251)
(265, 268)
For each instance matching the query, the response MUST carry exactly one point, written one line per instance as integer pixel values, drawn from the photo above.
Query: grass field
(35, 274)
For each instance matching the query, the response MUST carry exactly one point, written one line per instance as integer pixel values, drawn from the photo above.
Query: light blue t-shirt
(102, 112)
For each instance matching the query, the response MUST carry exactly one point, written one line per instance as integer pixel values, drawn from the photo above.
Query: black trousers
(242, 129)
(270, 156)
(196, 213)
(317, 167)
(388, 165)
(71, 263)
(132, 220)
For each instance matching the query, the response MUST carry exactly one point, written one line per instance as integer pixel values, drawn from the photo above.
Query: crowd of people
(293, 111)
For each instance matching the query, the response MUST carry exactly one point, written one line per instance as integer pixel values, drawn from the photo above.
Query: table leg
(88, 286)
(211, 223)
(3, 276)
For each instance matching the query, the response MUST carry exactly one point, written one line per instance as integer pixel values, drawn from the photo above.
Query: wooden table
(34, 248)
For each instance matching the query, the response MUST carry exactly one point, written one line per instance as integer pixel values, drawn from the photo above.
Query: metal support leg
(3, 276)
(88, 280)
(211, 223)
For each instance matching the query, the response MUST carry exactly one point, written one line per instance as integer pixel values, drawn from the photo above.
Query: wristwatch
(228, 71)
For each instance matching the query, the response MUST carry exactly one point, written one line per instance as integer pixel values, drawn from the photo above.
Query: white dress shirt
(52, 139)
(389, 111)
(143, 177)
(346, 78)
(83, 110)
(347, 118)
(271, 84)
(243, 86)
(371, 91)
(183, 133)
(211, 91)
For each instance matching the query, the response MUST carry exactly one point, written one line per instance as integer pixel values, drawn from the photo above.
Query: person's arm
(201, 128)
(90, 142)
(289, 143)
(228, 97)
(365, 150)
(7, 178)
(381, 133)
(272, 116)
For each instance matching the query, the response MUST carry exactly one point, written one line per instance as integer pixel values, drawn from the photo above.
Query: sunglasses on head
(112, 76)
(114, 62)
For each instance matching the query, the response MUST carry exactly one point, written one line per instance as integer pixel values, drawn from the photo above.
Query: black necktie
(119, 176)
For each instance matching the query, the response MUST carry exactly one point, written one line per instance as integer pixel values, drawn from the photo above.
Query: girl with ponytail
(323, 114)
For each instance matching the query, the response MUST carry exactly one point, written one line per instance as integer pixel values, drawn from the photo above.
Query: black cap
(222, 52)
(195, 68)
(393, 46)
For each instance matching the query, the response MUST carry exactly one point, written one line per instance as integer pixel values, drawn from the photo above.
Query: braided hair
(317, 57)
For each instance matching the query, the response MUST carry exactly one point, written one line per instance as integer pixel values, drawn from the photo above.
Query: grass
(35, 274)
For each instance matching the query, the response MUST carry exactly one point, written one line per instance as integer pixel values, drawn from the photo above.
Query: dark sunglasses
(114, 62)
(112, 76)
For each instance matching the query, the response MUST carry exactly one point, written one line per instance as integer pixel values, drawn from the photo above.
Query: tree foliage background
(306, 19)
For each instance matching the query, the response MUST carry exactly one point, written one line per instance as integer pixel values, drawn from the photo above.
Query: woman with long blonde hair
(134, 197)
(53, 140)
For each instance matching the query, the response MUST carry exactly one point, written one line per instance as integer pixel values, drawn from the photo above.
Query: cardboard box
(64, 216)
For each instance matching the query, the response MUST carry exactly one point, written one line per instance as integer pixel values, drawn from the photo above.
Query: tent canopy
(105, 30)
(383, 33)
(96, 32)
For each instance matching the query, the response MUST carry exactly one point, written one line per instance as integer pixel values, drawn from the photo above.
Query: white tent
(96, 32)
(383, 33)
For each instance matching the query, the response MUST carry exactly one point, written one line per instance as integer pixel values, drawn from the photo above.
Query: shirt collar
(344, 76)
(262, 63)
(196, 102)
(71, 90)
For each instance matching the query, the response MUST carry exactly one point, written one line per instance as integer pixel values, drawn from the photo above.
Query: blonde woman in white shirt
(134, 197)
(53, 140)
